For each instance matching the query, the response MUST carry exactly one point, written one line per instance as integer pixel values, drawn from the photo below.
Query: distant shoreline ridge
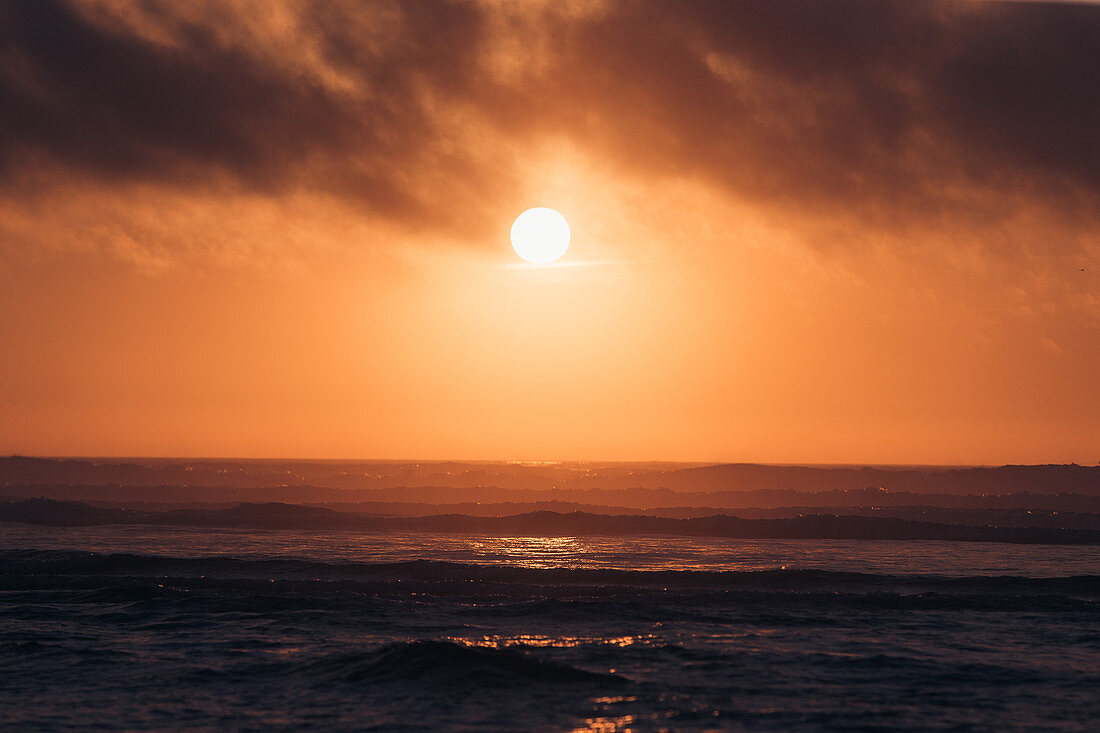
(51, 512)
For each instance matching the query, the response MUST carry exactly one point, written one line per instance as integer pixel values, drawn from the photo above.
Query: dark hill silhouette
(420, 500)
(545, 523)
(445, 477)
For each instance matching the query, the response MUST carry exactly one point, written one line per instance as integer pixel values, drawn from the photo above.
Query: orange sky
(845, 232)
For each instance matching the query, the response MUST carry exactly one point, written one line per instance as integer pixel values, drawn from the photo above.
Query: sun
(540, 235)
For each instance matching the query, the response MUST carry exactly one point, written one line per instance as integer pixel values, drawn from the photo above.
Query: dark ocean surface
(139, 628)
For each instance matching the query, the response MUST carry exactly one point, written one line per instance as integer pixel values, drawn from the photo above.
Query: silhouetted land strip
(486, 476)
(290, 516)
(1064, 511)
(406, 500)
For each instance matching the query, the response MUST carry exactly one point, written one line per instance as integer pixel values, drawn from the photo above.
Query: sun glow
(540, 235)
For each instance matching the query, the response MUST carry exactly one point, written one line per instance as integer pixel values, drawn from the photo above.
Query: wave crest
(447, 664)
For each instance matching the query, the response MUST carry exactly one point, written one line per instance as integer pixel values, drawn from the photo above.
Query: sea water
(139, 628)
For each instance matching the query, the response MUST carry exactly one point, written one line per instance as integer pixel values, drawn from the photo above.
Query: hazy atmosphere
(842, 231)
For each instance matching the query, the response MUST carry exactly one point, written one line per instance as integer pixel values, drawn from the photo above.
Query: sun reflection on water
(501, 641)
(620, 724)
(534, 552)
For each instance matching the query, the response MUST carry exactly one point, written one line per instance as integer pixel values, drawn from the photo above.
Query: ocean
(166, 628)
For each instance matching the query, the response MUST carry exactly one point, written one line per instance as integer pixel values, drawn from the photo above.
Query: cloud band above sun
(413, 112)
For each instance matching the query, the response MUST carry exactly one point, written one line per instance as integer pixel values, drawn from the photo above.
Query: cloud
(157, 92)
(889, 109)
(843, 114)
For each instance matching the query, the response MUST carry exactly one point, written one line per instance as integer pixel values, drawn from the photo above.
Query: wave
(22, 568)
(449, 664)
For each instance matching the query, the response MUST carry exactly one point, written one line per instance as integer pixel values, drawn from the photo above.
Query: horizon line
(535, 462)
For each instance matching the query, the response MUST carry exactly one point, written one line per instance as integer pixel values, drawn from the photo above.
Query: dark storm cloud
(119, 106)
(877, 107)
(847, 101)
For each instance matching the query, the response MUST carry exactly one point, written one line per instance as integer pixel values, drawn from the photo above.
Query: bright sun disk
(540, 235)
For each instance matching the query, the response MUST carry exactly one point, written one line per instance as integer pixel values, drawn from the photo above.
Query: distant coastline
(290, 517)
